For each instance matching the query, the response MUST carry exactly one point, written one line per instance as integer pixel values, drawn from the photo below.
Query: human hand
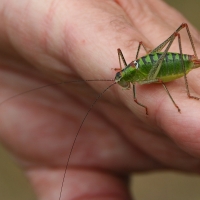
(78, 40)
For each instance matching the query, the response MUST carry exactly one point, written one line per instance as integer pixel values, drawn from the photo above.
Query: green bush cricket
(154, 67)
(158, 67)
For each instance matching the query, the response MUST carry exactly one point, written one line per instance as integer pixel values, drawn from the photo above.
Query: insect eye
(136, 64)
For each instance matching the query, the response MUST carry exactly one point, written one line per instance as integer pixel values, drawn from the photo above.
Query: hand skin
(75, 40)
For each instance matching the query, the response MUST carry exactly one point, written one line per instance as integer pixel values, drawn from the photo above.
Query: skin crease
(75, 40)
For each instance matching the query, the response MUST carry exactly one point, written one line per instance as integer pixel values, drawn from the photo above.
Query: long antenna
(77, 133)
(70, 153)
(48, 85)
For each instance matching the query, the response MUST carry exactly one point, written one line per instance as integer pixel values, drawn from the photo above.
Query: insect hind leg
(182, 62)
(162, 45)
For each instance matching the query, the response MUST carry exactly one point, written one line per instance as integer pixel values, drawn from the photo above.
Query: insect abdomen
(171, 67)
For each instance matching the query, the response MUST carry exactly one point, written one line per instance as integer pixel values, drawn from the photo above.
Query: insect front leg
(136, 101)
(139, 47)
(121, 57)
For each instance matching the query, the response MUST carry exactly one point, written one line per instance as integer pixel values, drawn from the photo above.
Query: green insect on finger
(158, 67)
(154, 67)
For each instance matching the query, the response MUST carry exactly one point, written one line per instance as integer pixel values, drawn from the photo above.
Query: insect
(154, 67)
(158, 67)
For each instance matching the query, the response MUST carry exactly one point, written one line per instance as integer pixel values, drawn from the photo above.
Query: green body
(158, 67)
(139, 70)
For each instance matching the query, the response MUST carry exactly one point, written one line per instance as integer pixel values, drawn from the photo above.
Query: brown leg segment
(135, 99)
(185, 77)
(139, 47)
(179, 110)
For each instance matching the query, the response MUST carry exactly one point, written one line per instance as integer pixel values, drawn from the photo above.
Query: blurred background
(151, 186)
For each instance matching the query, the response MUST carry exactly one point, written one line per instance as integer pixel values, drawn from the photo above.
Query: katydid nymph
(154, 67)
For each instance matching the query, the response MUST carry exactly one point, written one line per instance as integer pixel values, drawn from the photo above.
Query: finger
(79, 184)
(158, 26)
